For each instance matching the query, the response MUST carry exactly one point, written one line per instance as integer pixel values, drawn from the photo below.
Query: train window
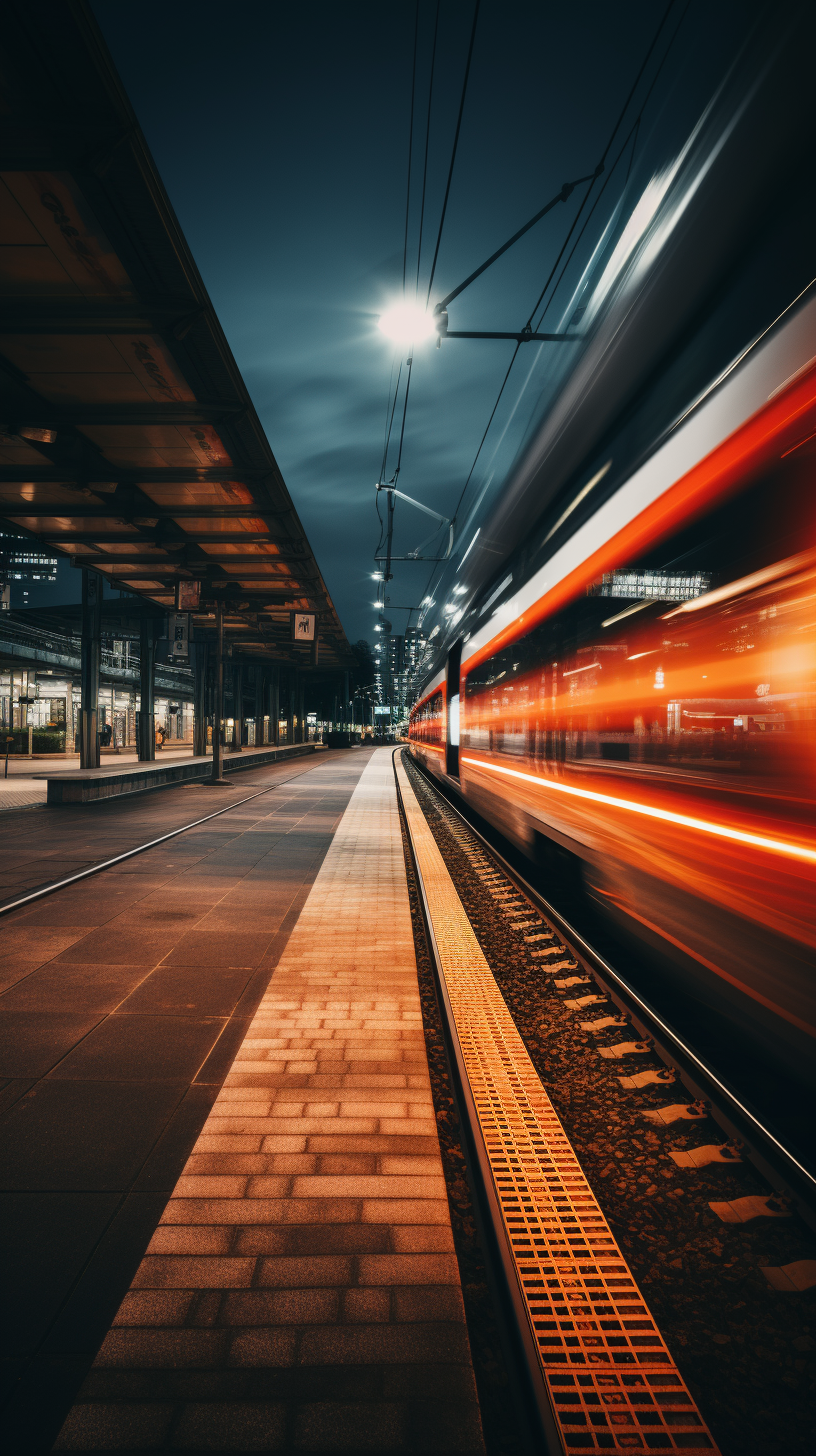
(426, 722)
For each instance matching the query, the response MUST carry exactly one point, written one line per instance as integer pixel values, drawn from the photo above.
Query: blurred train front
(622, 678)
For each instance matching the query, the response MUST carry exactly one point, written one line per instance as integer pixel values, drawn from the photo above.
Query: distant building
(21, 559)
(400, 656)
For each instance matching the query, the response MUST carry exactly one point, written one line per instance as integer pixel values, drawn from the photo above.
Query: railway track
(742, 1125)
(53, 886)
(528, 1006)
(601, 1373)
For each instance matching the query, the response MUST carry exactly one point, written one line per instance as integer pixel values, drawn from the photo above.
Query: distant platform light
(407, 323)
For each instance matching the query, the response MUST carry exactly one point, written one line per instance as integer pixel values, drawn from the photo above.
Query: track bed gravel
(745, 1349)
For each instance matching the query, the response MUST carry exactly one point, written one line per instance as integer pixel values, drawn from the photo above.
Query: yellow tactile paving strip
(611, 1380)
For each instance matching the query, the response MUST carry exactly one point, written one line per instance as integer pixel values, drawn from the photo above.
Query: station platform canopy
(128, 440)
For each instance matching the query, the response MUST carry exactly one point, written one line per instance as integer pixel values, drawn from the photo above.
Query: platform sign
(179, 634)
(303, 626)
(188, 595)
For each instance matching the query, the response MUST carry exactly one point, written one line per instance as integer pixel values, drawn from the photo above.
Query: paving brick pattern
(301, 1292)
(123, 1001)
(21, 793)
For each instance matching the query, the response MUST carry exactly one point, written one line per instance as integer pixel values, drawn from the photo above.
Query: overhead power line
(410, 147)
(455, 146)
(599, 169)
(445, 201)
(602, 162)
(631, 136)
(427, 144)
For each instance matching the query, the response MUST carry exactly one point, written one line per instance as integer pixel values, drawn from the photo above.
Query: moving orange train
(633, 691)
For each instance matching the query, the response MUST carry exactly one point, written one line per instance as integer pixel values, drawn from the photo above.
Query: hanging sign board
(303, 626)
(188, 595)
(179, 634)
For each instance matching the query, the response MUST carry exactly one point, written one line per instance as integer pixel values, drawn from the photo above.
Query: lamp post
(408, 323)
(91, 663)
(217, 759)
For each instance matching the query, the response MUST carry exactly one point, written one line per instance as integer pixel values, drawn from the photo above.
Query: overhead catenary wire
(602, 162)
(389, 423)
(594, 178)
(410, 147)
(384, 465)
(598, 171)
(427, 145)
(398, 467)
(388, 410)
(454, 149)
(631, 136)
(444, 204)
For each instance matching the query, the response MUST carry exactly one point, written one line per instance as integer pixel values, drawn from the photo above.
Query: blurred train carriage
(633, 687)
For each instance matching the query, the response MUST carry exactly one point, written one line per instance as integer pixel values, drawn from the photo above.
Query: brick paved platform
(123, 1001)
(300, 1292)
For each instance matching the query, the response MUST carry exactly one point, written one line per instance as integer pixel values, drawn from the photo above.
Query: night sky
(281, 134)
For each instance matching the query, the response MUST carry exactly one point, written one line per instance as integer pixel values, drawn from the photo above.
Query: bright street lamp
(407, 323)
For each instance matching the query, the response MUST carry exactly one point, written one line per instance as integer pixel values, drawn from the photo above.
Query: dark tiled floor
(126, 999)
(82, 1134)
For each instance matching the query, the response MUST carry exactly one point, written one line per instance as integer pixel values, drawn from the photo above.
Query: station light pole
(91, 663)
(217, 760)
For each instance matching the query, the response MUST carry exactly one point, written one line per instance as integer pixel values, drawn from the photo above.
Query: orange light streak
(685, 821)
(743, 986)
(745, 584)
(719, 473)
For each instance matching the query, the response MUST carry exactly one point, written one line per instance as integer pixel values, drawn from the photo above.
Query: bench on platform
(86, 785)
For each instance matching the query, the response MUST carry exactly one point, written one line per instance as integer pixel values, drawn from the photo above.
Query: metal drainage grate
(612, 1383)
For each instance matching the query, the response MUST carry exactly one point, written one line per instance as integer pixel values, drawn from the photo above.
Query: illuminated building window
(664, 586)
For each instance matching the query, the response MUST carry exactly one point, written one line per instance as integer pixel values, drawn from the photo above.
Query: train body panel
(622, 657)
(646, 701)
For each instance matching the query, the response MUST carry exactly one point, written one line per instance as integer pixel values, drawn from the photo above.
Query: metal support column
(237, 707)
(274, 705)
(147, 667)
(91, 663)
(199, 651)
(218, 715)
(290, 705)
(301, 707)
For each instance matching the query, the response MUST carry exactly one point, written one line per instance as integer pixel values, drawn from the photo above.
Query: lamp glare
(406, 323)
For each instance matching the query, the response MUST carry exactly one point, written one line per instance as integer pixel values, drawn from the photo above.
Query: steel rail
(107, 864)
(670, 1046)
